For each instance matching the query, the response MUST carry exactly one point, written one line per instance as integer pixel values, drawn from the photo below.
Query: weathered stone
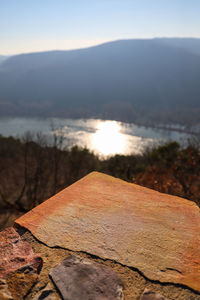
(45, 294)
(138, 227)
(20, 282)
(4, 292)
(19, 266)
(16, 254)
(149, 295)
(77, 278)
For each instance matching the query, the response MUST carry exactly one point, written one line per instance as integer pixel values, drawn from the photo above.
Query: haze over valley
(143, 81)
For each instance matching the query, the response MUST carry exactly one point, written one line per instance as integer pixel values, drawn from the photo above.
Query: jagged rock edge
(18, 228)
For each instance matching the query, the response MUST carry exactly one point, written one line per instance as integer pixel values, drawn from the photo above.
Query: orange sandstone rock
(156, 233)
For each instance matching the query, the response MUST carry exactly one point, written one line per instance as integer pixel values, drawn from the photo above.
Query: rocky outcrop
(155, 233)
(103, 238)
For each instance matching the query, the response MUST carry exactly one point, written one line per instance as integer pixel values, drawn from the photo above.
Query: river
(104, 137)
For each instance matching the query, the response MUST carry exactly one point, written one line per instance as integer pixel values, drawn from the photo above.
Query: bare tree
(58, 143)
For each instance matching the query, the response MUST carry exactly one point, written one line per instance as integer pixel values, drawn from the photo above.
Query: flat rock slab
(19, 266)
(77, 279)
(156, 233)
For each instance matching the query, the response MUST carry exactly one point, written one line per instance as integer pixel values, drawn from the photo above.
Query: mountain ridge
(129, 80)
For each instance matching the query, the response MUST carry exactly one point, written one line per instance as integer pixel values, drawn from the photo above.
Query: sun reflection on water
(108, 139)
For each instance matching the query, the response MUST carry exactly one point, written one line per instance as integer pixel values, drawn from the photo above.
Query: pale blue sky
(38, 25)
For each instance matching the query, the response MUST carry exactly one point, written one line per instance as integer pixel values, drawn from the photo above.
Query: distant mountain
(191, 45)
(141, 81)
(2, 58)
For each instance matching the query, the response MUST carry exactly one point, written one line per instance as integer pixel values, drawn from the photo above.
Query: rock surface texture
(155, 233)
(77, 278)
(149, 295)
(45, 294)
(19, 266)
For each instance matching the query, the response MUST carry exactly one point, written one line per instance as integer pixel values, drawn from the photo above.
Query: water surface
(104, 137)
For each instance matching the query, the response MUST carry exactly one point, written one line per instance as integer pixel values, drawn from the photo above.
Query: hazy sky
(37, 25)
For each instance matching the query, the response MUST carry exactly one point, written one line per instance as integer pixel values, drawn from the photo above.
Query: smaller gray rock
(77, 279)
(149, 295)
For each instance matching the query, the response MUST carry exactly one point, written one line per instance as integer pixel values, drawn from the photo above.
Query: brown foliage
(32, 170)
